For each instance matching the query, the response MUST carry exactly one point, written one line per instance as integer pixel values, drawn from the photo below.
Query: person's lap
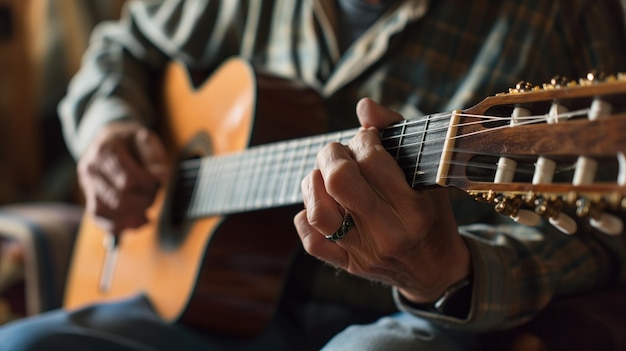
(124, 326)
(401, 331)
(132, 325)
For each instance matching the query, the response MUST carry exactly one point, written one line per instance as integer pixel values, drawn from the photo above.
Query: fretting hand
(401, 237)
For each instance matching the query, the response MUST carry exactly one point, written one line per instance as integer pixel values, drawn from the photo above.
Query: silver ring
(346, 225)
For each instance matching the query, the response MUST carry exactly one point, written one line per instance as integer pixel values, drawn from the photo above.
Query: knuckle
(100, 208)
(124, 182)
(314, 216)
(329, 153)
(86, 167)
(312, 246)
(340, 176)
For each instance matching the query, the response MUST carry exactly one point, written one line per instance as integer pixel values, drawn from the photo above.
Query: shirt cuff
(490, 301)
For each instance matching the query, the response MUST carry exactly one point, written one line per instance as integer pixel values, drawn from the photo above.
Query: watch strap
(455, 301)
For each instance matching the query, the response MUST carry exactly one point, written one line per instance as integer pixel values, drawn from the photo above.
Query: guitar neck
(269, 175)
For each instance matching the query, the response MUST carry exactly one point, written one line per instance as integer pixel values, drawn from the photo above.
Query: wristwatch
(455, 301)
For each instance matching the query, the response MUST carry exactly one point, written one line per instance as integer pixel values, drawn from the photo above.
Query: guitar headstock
(535, 151)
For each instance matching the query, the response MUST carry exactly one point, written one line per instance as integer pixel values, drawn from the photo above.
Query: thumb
(152, 154)
(372, 114)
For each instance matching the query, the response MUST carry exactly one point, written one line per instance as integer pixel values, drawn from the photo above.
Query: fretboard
(269, 175)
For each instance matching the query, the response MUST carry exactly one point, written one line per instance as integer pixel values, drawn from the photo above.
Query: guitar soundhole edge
(174, 224)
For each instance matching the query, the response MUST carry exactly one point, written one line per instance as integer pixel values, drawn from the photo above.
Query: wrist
(450, 294)
(455, 301)
(446, 273)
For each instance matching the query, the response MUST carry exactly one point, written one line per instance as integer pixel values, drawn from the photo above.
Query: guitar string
(487, 178)
(194, 163)
(481, 165)
(526, 120)
(530, 119)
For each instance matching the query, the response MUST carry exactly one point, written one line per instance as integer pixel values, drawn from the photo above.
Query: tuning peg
(556, 111)
(621, 175)
(505, 170)
(526, 217)
(585, 170)
(604, 222)
(552, 210)
(599, 108)
(608, 224)
(564, 223)
(511, 206)
(544, 170)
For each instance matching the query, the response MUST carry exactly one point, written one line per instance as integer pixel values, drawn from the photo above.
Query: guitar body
(223, 273)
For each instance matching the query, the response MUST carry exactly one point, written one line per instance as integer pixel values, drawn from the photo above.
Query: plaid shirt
(419, 57)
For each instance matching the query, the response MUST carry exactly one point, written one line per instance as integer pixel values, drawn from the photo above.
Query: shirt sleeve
(112, 83)
(122, 65)
(518, 270)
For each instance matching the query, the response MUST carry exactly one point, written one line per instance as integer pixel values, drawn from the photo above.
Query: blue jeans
(132, 325)
(401, 332)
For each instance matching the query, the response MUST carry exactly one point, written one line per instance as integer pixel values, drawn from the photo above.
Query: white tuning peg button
(564, 223)
(527, 217)
(599, 108)
(608, 224)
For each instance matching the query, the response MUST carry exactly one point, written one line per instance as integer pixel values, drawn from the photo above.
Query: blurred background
(41, 44)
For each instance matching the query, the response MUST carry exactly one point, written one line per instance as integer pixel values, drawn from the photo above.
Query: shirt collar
(368, 48)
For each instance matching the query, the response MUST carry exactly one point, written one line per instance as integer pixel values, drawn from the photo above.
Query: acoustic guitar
(219, 243)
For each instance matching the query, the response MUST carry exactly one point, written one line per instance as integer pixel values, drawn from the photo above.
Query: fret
(185, 183)
(228, 172)
(346, 135)
(391, 138)
(309, 163)
(289, 178)
(255, 179)
(404, 143)
(433, 146)
(278, 172)
(246, 172)
(198, 197)
(301, 169)
(265, 161)
(418, 168)
(212, 197)
(225, 189)
(250, 181)
(416, 146)
(239, 178)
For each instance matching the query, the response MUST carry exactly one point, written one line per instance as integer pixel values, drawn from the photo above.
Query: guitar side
(223, 273)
